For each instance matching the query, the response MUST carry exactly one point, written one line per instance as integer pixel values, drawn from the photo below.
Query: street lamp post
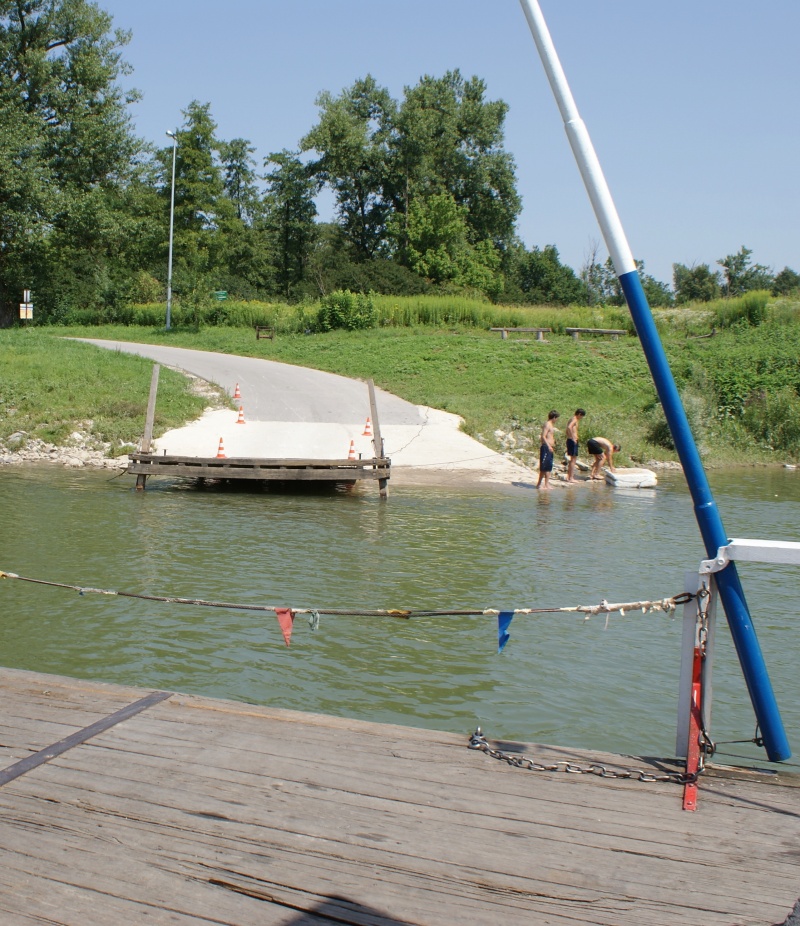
(174, 138)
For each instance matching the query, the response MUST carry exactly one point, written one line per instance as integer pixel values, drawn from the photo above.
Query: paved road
(279, 391)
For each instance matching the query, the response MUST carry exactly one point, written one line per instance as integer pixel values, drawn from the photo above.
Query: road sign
(220, 295)
(26, 297)
(26, 310)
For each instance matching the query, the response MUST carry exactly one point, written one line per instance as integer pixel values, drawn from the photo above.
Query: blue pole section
(710, 523)
(708, 517)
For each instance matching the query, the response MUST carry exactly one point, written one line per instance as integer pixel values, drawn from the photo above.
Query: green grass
(739, 388)
(51, 387)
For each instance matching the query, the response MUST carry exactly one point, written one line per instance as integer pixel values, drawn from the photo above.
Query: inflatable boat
(631, 478)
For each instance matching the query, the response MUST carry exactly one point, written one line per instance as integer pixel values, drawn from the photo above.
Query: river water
(560, 679)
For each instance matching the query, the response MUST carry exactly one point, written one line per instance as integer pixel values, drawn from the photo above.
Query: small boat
(630, 478)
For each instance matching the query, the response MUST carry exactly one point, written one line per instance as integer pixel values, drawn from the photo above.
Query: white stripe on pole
(581, 144)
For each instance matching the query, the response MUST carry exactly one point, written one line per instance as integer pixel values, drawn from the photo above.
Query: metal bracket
(753, 551)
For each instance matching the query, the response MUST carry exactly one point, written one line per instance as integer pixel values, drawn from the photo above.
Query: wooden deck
(202, 811)
(143, 465)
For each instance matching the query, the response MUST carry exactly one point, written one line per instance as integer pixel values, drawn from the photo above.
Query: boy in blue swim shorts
(546, 450)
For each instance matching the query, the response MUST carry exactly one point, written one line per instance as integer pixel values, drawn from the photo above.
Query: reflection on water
(559, 680)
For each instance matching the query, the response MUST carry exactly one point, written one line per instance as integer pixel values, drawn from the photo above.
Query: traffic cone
(236, 393)
(221, 450)
(240, 419)
(352, 454)
(367, 429)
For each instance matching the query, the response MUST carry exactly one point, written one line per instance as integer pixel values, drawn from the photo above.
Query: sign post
(26, 306)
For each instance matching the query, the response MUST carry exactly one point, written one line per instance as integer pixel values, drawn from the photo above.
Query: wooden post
(377, 440)
(147, 438)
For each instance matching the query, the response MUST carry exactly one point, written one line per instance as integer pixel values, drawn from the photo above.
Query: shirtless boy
(572, 442)
(601, 449)
(546, 450)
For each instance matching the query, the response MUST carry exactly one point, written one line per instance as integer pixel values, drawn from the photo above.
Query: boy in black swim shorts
(572, 443)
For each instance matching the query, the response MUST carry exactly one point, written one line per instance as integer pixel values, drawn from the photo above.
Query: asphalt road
(279, 391)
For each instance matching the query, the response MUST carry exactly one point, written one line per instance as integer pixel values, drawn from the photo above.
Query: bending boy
(601, 449)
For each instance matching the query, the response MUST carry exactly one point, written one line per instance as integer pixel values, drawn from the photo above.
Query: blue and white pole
(708, 517)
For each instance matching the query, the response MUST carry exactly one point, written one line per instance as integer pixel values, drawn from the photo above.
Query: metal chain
(479, 741)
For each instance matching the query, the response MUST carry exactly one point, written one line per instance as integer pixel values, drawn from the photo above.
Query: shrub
(346, 310)
(751, 309)
(774, 419)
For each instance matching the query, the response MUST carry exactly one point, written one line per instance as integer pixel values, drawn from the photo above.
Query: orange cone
(221, 450)
(352, 454)
(367, 429)
(236, 393)
(240, 419)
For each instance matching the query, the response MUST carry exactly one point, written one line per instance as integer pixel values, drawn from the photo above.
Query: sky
(692, 105)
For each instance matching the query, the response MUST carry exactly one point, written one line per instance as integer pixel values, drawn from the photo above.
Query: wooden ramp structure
(227, 469)
(125, 806)
(143, 465)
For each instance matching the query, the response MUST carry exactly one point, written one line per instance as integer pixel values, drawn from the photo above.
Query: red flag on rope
(286, 620)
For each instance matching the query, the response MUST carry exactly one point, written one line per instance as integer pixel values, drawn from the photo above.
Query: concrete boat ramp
(120, 806)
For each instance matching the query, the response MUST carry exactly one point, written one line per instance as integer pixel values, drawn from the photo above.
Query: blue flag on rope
(504, 618)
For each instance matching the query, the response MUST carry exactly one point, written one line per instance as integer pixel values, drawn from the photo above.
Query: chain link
(479, 741)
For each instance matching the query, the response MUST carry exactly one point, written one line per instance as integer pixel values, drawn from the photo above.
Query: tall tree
(289, 214)
(698, 283)
(741, 276)
(351, 140)
(67, 140)
(449, 139)
(239, 177)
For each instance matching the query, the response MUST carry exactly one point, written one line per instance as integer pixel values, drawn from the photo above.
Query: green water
(559, 680)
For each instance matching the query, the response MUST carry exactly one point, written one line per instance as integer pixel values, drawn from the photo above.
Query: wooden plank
(273, 474)
(236, 813)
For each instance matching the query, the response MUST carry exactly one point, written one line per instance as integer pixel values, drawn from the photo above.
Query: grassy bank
(50, 388)
(740, 386)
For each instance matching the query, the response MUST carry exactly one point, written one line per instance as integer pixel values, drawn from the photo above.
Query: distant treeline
(425, 193)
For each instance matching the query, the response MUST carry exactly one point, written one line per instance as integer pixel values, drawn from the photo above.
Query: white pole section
(581, 143)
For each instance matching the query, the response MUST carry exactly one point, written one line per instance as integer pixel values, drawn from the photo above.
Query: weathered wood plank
(199, 810)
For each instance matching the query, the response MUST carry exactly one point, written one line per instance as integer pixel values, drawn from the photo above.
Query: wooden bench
(263, 331)
(539, 332)
(614, 333)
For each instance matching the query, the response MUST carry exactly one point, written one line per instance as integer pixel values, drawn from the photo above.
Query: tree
(786, 282)
(449, 139)
(741, 276)
(542, 279)
(289, 214)
(352, 143)
(67, 145)
(379, 157)
(239, 178)
(698, 283)
(439, 248)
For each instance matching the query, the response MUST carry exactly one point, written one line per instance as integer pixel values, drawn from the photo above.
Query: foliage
(66, 147)
(741, 276)
(346, 310)
(538, 277)
(698, 283)
(750, 309)
(773, 418)
(289, 213)
(425, 181)
(786, 283)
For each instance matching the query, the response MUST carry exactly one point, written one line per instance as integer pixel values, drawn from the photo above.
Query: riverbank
(501, 389)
